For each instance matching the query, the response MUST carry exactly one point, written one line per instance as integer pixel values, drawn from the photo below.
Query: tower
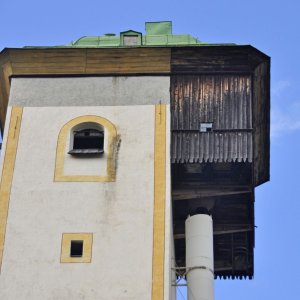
(110, 144)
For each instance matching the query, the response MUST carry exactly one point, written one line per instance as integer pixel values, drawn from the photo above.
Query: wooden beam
(180, 236)
(205, 193)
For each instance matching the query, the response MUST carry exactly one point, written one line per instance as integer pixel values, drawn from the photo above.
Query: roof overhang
(158, 60)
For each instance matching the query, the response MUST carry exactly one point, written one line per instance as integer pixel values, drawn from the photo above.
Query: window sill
(85, 151)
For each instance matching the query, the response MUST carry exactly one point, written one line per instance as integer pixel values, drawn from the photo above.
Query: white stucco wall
(119, 214)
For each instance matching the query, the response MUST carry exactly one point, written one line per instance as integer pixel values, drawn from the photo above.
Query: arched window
(87, 138)
(91, 137)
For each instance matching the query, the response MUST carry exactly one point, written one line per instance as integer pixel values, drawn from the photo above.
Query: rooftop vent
(158, 28)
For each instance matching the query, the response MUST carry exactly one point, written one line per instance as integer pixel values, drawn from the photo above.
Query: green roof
(147, 40)
(157, 34)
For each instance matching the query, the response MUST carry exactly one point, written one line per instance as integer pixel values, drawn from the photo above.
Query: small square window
(76, 248)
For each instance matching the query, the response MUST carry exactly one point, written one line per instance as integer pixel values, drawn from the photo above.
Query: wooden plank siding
(224, 100)
(261, 118)
(128, 61)
(218, 59)
(234, 59)
(89, 61)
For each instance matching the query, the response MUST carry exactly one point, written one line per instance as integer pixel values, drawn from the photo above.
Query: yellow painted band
(159, 203)
(8, 170)
(61, 151)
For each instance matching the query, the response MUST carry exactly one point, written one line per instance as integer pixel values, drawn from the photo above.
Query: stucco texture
(119, 214)
(90, 91)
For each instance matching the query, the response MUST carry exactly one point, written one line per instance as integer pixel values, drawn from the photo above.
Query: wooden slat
(205, 193)
(54, 55)
(89, 61)
(217, 232)
(211, 59)
(261, 116)
(47, 61)
(139, 60)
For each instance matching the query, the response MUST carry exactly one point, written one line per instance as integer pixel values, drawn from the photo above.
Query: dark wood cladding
(208, 59)
(224, 100)
(261, 117)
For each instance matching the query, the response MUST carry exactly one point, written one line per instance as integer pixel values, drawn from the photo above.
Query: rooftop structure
(157, 34)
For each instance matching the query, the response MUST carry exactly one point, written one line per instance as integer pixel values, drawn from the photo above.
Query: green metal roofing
(147, 40)
(157, 34)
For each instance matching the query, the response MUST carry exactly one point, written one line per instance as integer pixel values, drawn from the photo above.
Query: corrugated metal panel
(224, 100)
(190, 147)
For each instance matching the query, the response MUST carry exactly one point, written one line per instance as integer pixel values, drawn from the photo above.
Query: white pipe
(199, 257)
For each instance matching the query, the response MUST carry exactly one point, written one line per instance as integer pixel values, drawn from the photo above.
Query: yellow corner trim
(8, 170)
(61, 150)
(87, 239)
(159, 203)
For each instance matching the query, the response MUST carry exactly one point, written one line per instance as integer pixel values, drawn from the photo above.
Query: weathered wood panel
(225, 101)
(211, 59)
(47, 61)
(128, 60)
(261, 117)
(90, 61)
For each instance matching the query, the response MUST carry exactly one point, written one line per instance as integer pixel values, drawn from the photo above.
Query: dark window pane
(88, 139)
(76, 248)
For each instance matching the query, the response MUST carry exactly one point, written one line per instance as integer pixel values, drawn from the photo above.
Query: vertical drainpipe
(199, 257)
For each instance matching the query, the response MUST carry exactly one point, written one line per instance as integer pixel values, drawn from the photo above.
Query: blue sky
(271, 26)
